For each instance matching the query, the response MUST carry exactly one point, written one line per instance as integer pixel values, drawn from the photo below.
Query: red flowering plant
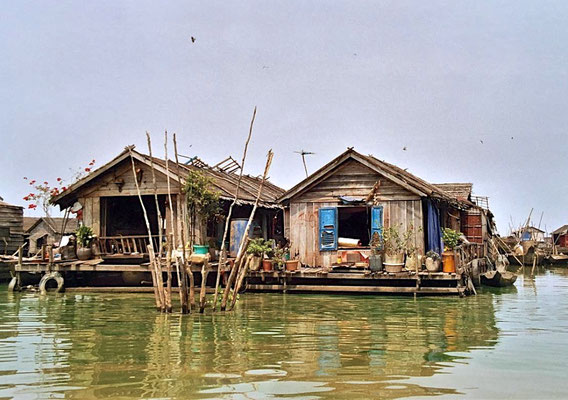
(42, 193)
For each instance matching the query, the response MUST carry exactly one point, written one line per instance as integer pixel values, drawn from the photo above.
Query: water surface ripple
(502, 343)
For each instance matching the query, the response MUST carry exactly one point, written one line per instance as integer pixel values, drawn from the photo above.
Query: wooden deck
(305, 280)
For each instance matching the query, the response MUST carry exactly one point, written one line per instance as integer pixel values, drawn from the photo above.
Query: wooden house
(47, 231)
(529, 233)
(560, 237)
(109, 201)
(11, 228)
(356, 195)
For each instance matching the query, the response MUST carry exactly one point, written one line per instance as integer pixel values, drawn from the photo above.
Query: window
(339, 225)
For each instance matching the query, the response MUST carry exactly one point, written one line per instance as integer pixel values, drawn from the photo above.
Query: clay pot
(432, 265)
(255, 262)
(267, 265)
(394, 263)
(84, 253)
(292, 265)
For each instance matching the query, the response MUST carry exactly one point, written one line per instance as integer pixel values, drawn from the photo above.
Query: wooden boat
(498, 279)
(561, 259)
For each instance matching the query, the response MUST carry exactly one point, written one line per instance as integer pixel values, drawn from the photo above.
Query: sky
(476, 91)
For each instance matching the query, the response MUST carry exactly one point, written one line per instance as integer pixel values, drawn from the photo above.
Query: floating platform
(98, 275)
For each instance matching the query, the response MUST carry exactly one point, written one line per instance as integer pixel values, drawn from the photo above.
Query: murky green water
(502, 343)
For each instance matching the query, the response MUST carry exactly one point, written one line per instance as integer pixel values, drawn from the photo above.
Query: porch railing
(126, 245)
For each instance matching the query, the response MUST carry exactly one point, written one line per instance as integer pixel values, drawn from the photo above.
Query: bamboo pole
(234, 272)
(240, 254)
(223, 257)
(186, 266)
(158, 259)
(152, 270)
(173, 236)
(203, 291)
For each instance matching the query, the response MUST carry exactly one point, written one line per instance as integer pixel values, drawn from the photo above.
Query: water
(503, 343)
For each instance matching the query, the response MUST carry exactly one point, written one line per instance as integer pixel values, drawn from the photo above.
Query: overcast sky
(81, 80)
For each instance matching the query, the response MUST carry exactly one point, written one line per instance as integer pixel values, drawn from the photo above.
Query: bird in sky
(192, 39)
(404, 148)
(512, 138)
(481, 141)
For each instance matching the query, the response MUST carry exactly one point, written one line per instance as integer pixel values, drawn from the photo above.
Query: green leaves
(451, 238)
(201, 199)
(84, 235)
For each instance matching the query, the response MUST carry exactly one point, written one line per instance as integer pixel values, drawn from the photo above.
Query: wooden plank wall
(351, 179)
(11, 217)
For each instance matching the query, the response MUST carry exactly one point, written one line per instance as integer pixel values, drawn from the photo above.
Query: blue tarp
(433, 231)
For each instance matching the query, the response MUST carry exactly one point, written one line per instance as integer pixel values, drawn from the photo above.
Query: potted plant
(202, 202)
(375, 259)
(451, 239)
(267, 262)
(256, 249)
(85, 237)
(413, 259)
(278, 257)
(432, 261)
(394, 250)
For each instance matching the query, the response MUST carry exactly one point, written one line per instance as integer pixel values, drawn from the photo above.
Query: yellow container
(449, 262)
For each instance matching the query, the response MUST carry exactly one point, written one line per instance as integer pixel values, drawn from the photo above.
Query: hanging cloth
(433, 231)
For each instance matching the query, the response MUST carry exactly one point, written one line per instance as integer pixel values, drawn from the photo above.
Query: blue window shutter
(328, 228)
(377, 221)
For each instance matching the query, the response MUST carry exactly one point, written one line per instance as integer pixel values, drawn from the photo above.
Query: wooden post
(223, 257)
(186, 267)
(233, 274)
(157, 259)
(240, 254)
(203, 292)
(154, 278)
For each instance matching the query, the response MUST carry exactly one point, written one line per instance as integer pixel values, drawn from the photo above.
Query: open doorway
(123, 215)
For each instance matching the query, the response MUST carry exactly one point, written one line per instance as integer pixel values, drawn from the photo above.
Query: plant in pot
(413, 259)
(256, 250)
(267, 260)
(394, 248)
(375, 259)
(85, 237)
(202, 202)
(432, 261)
(278, 257)
(451, 240)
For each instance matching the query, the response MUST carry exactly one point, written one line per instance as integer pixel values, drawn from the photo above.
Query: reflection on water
(278, 346)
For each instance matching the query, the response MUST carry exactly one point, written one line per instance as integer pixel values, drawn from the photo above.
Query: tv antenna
(304, 154)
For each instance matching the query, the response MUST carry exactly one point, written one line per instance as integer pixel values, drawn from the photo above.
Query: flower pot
(413, 263)
(84, 253)
(394, 259)
(449, 262)
(375, 262)
(255, 262)
(267, 265)
(292, 265)
(432, 265)
(200, 249)
(394, 263)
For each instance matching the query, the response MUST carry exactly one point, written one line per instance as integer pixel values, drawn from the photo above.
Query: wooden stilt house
(355, 195)
(110, 205)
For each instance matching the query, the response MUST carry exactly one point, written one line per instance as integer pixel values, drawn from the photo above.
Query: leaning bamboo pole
(153, 272)
(158, 259)
(173, 236)
(186, 266)
(243, 271)
(223, 257)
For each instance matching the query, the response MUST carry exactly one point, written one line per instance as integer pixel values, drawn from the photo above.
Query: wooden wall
(107, 185)
(12, 220)
(350, 179)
